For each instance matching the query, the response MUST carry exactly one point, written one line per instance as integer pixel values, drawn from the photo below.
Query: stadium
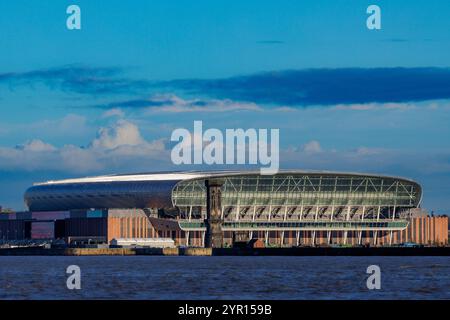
(218, 209)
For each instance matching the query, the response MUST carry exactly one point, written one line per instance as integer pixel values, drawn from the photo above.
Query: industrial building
(217, 209)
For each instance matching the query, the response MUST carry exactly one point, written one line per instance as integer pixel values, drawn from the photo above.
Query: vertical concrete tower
(214, 234)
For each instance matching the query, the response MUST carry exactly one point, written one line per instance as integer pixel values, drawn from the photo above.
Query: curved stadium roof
(150, 189)
(188, 175)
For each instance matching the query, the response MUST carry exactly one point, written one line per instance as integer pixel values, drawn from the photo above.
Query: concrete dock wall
(378, 251)
(196, 252)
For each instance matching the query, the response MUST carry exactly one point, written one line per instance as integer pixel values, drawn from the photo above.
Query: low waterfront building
(144, 242)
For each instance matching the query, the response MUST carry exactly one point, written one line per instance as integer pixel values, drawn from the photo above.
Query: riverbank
(299, 251)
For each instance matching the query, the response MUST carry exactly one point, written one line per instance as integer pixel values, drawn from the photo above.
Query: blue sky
(105, 99)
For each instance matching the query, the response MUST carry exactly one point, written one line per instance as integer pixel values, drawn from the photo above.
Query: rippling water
(158, 277)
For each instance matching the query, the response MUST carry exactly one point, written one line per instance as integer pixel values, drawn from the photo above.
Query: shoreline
(298, 251)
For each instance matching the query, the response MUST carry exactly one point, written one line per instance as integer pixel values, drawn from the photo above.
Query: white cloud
(119, 147)
(36, 145)
(285, 109)
(122, 148)
(73, 125)
(173, 104)
(312, 147)
(116, 112)
(401, 106)
(122, 133)
(403, 162)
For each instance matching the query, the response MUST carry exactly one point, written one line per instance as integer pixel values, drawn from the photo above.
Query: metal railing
(300, 225)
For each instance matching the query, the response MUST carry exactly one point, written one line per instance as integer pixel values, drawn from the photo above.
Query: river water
(181, 277)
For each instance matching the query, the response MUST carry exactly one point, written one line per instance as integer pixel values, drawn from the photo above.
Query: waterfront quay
(292, 251)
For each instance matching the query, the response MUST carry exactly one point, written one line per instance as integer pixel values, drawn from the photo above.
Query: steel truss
(296, 198)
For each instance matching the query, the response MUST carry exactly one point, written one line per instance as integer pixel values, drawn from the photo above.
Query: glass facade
(303, 225)
(303, 189)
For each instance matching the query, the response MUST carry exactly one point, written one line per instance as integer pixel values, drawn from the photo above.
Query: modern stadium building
(215, 209)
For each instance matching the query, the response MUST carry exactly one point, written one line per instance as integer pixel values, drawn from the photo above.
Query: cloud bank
(326, 86)
(299, 88)
(117, 147)
(77, 79)
(170, 103)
